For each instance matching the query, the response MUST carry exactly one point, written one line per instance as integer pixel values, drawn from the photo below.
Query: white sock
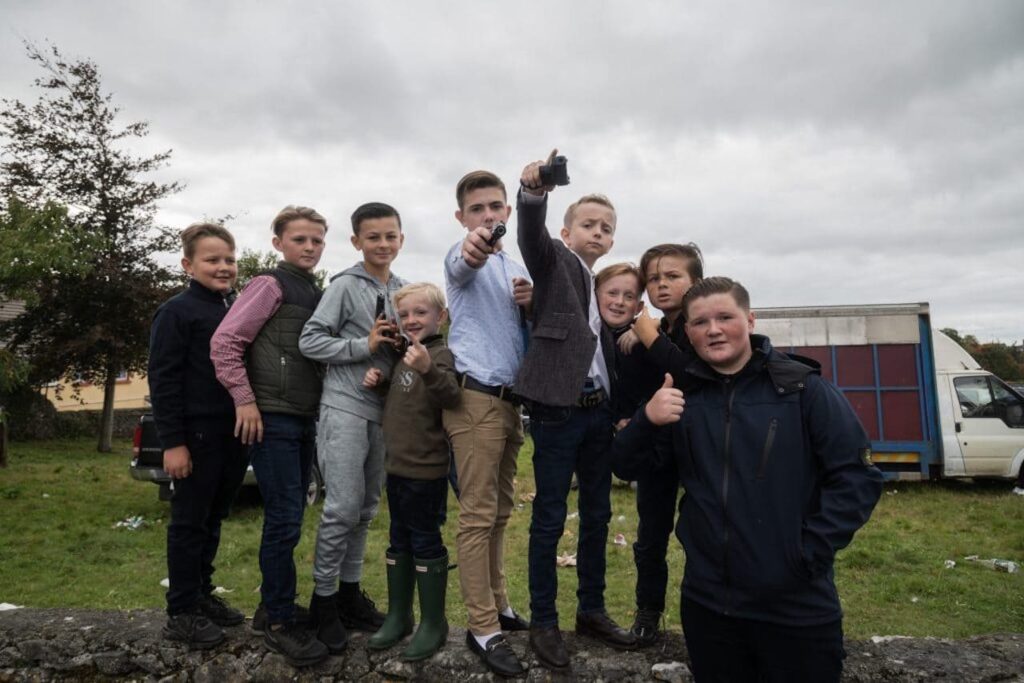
(508, 612)
(483, 640)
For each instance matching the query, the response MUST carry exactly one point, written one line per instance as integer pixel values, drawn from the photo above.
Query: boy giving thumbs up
(420, 386)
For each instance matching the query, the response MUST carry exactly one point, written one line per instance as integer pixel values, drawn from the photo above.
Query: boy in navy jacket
(778, 477)
(195, 418)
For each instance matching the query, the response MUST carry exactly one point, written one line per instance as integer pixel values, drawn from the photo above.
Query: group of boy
(603, 384)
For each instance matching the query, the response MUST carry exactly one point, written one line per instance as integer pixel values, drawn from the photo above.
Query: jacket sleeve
(633, 447)
(849, 484)
(319, 340)
(441, 381)
(168, 350)
(533, 237)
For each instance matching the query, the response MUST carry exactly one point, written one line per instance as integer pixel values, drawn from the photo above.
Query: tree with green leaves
(89, 323)
(251, 263)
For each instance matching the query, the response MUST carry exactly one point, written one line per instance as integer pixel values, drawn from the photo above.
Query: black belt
(501, 392)
(591, 399)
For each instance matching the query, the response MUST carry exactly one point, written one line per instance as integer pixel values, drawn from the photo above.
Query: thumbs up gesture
(666, 406)
(417, 357)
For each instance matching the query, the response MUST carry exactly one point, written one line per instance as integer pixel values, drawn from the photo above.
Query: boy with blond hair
(421, 384)
(276, 392)
(194, 418)
(566, 382)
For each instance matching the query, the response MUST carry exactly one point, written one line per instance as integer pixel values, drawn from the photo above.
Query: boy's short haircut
(293, 213)
(191, 235)
(372, 210)
(433, 293)
(717, 285)
(690, 252)
(615, 270)
(474, 180)
(595, 198)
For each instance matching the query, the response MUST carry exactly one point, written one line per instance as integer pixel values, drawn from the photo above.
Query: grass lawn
(59, 501)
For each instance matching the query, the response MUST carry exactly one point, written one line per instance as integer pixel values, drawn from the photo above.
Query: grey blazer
(561, 342)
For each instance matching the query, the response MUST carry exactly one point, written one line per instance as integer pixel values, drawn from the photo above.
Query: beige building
(132, 391)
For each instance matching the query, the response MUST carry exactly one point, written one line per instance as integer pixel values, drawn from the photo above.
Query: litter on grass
(132, 523)
(528, 497)
(221, 590)
(572, 515)
(6, 606)
(166, 583)
(1008, 566)
(619, 539)
(566, 560)
(949, 564)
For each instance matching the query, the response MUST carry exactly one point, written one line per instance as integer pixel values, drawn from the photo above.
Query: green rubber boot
(432, 580)
(398, 623)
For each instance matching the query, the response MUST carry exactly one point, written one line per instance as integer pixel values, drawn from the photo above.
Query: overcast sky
(821, 153)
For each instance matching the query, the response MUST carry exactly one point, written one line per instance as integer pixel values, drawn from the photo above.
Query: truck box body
(909, 388)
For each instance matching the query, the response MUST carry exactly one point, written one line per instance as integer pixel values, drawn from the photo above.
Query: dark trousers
(567, 440)
(200, 502)
(416, 507)
(282, 463)
(726, 649)
(656, 492)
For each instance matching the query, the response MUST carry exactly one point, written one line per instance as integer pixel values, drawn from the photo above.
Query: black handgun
(555, 173)
(497, 232)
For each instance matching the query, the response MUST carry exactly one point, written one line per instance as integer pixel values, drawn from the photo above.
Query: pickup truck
(929, 408)
(148, 460)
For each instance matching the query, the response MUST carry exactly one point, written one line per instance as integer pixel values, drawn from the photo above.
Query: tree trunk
(107, 419)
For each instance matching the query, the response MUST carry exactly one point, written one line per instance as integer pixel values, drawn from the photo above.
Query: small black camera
(497, 232)
(555, 173)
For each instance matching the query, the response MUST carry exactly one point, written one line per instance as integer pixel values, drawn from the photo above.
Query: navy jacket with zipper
(777, 476)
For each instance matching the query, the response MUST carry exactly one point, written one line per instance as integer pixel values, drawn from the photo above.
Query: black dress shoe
(498, 656)
(600, 626)
(512, 623)
(547, 643)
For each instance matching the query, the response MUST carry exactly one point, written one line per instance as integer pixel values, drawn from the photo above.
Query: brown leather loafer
(498, 656)
(549, 647)
(600, 626)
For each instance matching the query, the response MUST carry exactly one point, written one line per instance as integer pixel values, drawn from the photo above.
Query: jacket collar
(787, 372)
(209, 294)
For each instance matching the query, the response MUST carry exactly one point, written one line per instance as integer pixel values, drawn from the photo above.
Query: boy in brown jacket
(421, 385)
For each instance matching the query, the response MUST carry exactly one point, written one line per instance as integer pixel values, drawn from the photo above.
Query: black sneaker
(193, 629)
(220, 612)
(357, 611)
(259, 619)
(645, 627)
(298, 645)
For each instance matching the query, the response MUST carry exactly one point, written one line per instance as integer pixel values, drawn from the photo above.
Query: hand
(628, 341)
(530, 180)
(621, 424)
(372, 378)
(248, 423)
(475, 248)
(646, 327)
(417, 357)
(522, 292)
(666, 406)
(178, 462)
(384, 331)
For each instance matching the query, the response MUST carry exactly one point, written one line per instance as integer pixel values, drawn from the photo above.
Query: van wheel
(314, 492)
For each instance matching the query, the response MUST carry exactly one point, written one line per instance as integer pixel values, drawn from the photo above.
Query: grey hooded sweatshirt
(338, 335)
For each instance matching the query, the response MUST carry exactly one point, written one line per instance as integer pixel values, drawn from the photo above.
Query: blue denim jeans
(282, 463)
(417, 507)
(567, 440)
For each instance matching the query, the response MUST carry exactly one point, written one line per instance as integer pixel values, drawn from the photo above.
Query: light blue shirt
(485, 334)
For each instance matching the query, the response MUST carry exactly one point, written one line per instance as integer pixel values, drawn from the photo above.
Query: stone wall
(88, 645)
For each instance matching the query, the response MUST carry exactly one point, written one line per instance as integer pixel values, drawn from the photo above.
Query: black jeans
(568, 440)
(656, 493)
(200, 502)
(727, 649)
(416, 507)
